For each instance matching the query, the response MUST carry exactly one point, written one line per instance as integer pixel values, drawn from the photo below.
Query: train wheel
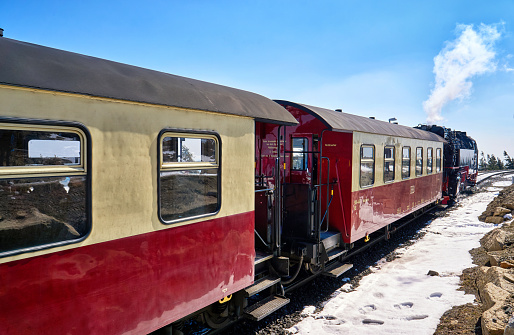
(217, 315)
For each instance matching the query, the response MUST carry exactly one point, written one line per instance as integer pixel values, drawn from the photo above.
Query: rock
(494, 219)
(507, 264)
(501, 211)
(509, 329)
(496, 257)
(494, 240)
(432, 273)
(509, 205)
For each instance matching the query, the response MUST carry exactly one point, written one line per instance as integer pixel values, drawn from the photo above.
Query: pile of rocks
(496, 282)
(500, 209)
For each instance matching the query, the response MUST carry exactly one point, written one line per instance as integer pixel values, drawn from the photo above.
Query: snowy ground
(398, 297)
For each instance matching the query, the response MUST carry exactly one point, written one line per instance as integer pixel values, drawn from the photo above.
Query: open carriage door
(300, 198)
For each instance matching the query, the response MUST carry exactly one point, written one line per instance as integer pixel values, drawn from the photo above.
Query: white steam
(471, 53)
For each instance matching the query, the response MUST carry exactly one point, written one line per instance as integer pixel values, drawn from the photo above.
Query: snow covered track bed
(399, 297)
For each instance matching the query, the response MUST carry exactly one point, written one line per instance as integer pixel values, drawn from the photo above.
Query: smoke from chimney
(470, 54)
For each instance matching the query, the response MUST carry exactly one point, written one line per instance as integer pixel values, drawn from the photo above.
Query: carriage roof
(34, 66)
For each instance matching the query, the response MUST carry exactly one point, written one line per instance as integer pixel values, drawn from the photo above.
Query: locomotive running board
(264, 308)
(261, 284)
(336, 269)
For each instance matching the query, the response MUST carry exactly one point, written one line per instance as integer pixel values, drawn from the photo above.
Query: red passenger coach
(350, 176)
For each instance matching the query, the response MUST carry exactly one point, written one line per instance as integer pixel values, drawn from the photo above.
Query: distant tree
(492, 163)
(500, 164)
(509, 162)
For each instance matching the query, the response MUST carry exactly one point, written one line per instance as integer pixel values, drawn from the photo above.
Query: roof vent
(339, 110)
(1, 32)
(372, 117)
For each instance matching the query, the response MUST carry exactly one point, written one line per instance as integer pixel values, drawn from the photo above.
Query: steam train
(131, 200)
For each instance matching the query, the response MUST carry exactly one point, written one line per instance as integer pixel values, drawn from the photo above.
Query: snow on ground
(398, 297)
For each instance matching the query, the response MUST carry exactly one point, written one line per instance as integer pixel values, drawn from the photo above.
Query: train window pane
(188, 193)
(185, 149)
(430, 159)
(405, 162)
(41, 211)
(419, 161)
(300, 146)
(438, 160)
(36, 148)
(389, 164)
(367, 177)
(189, 179)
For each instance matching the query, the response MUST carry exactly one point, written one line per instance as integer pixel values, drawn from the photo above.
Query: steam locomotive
(132, 200)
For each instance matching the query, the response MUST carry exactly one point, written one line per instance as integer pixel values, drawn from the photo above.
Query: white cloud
(470, 54)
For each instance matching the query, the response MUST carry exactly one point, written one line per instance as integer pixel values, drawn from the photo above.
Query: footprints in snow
(402, 306)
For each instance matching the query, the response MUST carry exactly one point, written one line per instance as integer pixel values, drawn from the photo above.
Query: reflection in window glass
(28, 148)
(36, 211)
(185, 149)
(367, 177)
(430, 159)
(389, 164)
(419, 161)
(189, 189)
(300, 147)
(405, 162)
(438, 160)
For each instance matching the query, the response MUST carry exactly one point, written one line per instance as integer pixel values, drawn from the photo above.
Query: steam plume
(470, 54)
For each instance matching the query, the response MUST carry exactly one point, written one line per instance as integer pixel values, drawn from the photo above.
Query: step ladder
(262, 309)
(336, 269)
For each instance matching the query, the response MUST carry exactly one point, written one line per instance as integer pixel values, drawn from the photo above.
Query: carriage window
(406, 162)
(419, 161)
(43, 187)
(189, 178)
(367, 165)
(438, 160)
(430, 159)
(300, 147)
(388, 164)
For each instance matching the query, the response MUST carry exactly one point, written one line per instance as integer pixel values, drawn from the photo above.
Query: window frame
(393, 160)
(304, 153)
(409, 164)
(430, 160)
(43, 171)
(420, 173)
(438, 167)
(180, 166)
(367, 160)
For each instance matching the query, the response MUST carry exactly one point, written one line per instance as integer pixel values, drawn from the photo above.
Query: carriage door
(299, 193)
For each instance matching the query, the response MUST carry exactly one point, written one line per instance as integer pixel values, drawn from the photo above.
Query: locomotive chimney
(1, 32)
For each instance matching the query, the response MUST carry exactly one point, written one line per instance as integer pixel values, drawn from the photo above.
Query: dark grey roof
(29, 65)
(339, 121)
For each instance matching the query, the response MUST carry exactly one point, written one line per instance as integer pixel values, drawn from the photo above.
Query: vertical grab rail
(341, 199)
(328, 194)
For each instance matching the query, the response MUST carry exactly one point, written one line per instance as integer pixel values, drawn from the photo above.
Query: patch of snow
(398, 297)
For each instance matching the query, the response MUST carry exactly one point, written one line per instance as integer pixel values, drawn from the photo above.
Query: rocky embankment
(495, 279)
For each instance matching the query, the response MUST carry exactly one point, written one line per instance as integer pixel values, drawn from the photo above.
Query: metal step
(334, 253)
(261, 284)
(330, 239)
(336, 269)
(264, 308)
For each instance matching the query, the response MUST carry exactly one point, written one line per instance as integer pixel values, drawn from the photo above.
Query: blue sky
(371, 58)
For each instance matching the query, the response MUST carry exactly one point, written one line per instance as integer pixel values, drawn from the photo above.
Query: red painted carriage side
(132, 285)
(374, 208)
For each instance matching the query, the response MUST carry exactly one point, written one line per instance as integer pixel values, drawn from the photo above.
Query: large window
(44, 186)
(430, 160)
(389, 164)
(405, 162)
(419, 161)
(438, 160)
(189, 179)
(300, 148)
(367, 165)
